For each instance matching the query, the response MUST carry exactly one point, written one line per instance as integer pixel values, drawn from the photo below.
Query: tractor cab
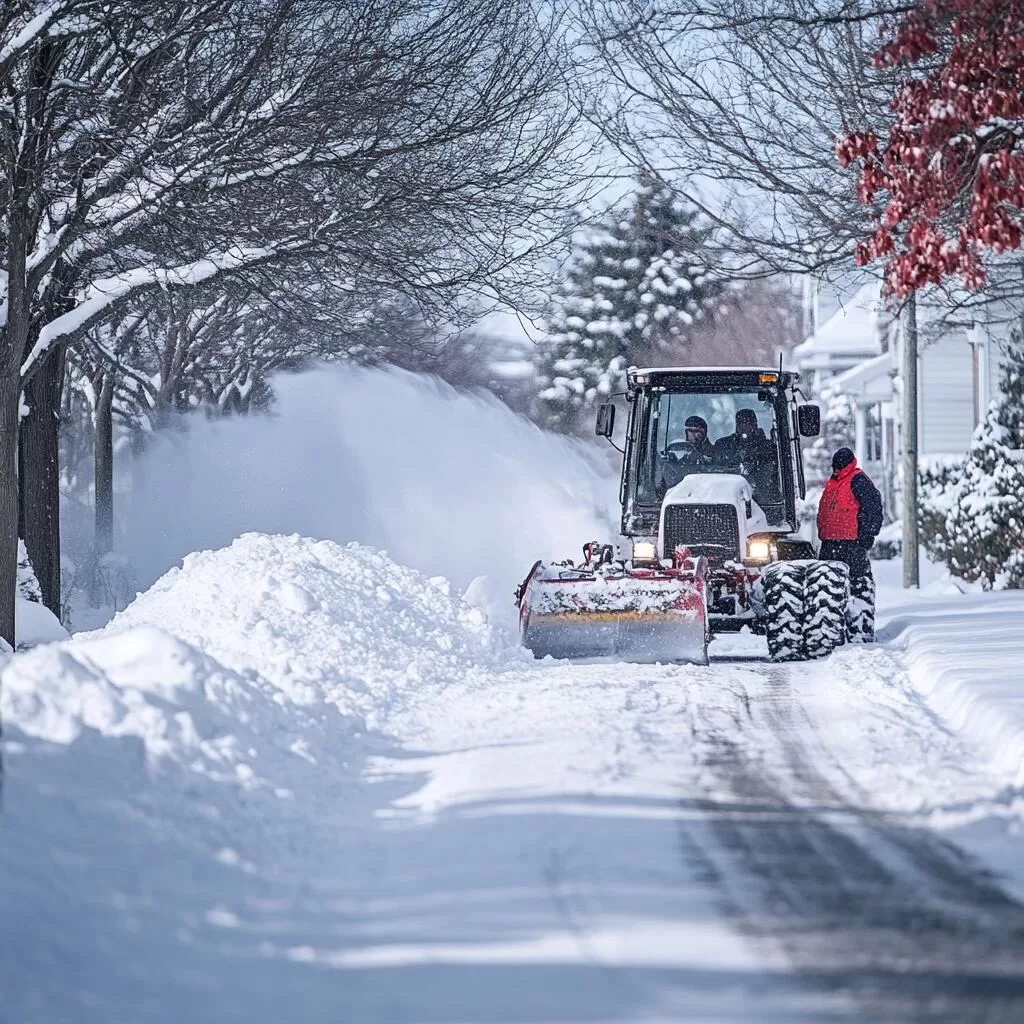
(711, 447)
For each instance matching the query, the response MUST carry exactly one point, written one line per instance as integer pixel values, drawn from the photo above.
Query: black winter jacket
(869, 513)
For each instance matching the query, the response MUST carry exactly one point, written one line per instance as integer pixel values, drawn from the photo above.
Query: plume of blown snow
(448, 483)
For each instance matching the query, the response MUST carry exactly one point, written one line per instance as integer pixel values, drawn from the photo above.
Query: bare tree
(755, 320)
(740, 104)
(172, 144)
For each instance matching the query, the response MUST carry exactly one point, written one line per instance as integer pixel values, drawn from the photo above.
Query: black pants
(861, 614)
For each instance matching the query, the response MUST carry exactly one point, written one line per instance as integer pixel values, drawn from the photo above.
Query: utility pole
(911, 570)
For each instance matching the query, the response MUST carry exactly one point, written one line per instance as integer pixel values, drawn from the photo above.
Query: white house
(856, 353)
(853, 333)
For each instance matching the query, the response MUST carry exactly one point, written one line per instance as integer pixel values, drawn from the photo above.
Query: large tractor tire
(782, 585)
(826, 602)
(860, 614)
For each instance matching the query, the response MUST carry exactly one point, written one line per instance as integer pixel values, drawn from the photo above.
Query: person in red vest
(849, 518)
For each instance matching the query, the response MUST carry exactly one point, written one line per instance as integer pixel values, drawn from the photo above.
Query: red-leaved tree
(953, 167)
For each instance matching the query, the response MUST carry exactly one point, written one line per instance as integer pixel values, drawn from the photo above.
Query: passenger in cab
(750, 453)
(744, 444)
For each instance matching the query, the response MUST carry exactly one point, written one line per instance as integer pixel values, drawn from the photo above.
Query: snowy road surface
(322, 791)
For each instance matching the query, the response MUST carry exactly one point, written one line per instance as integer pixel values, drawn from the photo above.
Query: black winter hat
(842, 458)
(696, 421)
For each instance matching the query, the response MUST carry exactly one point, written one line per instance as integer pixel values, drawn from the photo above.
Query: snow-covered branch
(101, 295)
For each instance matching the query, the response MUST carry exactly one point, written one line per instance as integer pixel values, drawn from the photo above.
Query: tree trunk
(10, 401)
(40, 484)
(104, 465)
(15, 336)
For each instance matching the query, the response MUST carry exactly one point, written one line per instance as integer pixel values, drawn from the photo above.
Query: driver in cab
(687, 455)
(696, 429)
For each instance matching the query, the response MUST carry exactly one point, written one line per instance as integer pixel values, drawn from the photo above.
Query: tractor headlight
(645, 550)
(759, 550)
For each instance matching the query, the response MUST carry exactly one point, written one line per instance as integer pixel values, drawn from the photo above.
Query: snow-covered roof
(851, 331)
(869, 379)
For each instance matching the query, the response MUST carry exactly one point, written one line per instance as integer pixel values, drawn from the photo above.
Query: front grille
(711, 530)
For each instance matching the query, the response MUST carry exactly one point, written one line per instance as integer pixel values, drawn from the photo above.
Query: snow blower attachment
(604, 608)
(711, 472)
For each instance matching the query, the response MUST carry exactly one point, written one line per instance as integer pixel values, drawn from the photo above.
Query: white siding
(946, 379)
(995, 358)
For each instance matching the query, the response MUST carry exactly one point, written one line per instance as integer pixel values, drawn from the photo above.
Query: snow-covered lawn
(298, 781)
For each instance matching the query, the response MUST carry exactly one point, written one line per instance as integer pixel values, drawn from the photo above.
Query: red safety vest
(837, 510)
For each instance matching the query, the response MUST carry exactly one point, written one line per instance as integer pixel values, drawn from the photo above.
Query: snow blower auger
(604, 608)
(711, 472)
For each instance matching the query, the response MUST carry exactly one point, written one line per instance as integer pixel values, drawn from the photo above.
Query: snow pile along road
(269, 621)
(146, 686)
(249, 654)
(964, 656)
(201, 753)
(319, 621)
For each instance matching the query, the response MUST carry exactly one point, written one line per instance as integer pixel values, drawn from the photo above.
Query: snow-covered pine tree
(985, 521)
(938, 486)
(635, 285)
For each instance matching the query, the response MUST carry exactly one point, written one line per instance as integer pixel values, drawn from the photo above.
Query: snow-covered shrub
(889, 542)
(936, 496)
(974, 513)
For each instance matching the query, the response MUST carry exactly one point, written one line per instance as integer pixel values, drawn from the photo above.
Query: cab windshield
(726, 432)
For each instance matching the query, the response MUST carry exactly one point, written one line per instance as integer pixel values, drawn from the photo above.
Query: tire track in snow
(861, 903)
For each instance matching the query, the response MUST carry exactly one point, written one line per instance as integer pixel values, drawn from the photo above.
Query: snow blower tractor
(711, 474)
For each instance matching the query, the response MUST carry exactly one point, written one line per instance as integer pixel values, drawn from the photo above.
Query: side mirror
(605, 420)
(809, 420)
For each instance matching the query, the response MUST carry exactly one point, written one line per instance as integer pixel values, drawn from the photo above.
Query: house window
(873, 435)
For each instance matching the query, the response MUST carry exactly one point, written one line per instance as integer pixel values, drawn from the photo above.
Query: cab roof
(692, 378)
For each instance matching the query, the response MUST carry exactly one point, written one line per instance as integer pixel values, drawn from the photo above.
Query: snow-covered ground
(296, 780)
(300, 780)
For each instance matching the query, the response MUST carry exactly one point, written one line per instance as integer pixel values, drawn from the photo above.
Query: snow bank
(145, 685)
(318, 621)
(35, 624)
(445, 482)
(250, 645)
(964, 655)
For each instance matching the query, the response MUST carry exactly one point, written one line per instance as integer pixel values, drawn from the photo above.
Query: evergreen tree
(983, 535)
(634, 288)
